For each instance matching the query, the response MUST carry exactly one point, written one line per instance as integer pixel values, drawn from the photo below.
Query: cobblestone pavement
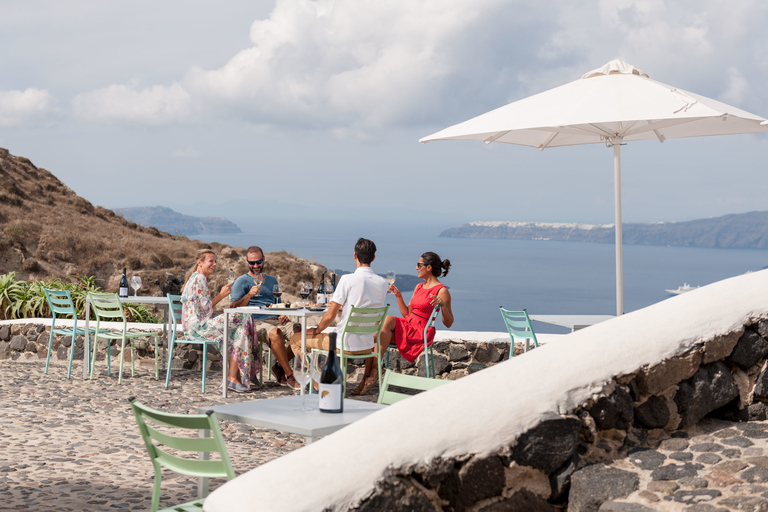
(73, 445)
(716, 466)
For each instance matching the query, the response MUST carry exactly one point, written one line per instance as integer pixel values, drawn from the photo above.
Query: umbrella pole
(617, 192)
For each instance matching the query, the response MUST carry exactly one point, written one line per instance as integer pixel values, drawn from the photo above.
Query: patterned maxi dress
(196, 316)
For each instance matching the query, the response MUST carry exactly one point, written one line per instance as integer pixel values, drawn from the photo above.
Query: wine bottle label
(321, 298)
(123, 291)
(330, 397)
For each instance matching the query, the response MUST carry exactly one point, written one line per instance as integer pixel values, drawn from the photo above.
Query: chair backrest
(432, 318)
(388, 397)
(106, 306)
(364, 321)
(60, 302)
(157, 441)
(518, 324)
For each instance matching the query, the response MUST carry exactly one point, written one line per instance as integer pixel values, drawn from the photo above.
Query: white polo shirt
(362, 289)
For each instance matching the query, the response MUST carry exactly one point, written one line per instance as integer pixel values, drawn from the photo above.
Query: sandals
(364, 387)
(279, 374)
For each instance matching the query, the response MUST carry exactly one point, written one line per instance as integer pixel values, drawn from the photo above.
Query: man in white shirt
(362, 289)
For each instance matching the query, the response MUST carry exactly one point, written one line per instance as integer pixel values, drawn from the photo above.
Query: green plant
(22, 299)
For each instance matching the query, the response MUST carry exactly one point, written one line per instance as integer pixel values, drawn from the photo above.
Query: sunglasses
(420, 264)
(257, 262)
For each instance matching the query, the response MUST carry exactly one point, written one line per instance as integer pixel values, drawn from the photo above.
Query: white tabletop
(144, 300)
(575, 322)
(282, 414)
(260, 310)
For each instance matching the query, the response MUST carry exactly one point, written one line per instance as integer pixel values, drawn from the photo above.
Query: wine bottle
(331, 389)
(123, 291)
(321, 300)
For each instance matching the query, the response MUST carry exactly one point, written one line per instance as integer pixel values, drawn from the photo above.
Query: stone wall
(453, 359)
(566, 461)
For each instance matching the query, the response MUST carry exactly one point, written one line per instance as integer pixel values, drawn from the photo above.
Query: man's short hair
(365, 250)
(254, 248)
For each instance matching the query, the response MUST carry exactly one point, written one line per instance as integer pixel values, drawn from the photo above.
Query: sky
(283, 108)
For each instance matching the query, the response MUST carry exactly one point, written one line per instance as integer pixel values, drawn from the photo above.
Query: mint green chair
(60, 303)
(389, 397)
(360, 321)
(428, 354)
(107, 307)
(157, 441)
(519, 327)
(175, 306)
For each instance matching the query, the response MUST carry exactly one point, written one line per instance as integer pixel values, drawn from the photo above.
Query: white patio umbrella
(610, 105)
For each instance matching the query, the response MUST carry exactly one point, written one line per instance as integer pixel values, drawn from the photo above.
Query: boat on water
(682, 289)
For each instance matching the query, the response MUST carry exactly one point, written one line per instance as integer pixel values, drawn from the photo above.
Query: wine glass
(277, 291)
(391, 277)
(136, 284)
(329, 293)
(230, 276)
(258, 280)
(305, 292)
(301, 372)
(316, 369)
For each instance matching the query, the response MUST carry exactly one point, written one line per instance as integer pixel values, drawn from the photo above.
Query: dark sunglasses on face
(420, 264)
(257, 262)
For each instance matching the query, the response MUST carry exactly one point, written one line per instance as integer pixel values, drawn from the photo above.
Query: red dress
(409, 331)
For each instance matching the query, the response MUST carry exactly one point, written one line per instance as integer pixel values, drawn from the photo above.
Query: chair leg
(93, 358)
(432, 358)
(157, 370)
(344, 377)
(50, 346)
(205, 362)
(122, 358)
(71, 354)
(170, 359)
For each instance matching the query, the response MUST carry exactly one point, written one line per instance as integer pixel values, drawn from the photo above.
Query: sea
(542, 276)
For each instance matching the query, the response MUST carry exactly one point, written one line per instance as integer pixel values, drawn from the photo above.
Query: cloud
(356, 67)
(30, 106)
(186, 153)
(154, 105)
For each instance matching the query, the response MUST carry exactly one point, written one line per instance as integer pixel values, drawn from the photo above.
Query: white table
(283, 414)
(302, 313)
(574, 322)
(162, 301)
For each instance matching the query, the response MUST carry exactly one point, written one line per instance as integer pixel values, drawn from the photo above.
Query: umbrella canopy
(610, 105)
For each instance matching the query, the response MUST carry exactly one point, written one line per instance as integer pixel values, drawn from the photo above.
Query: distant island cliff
(177, 223)
(736, 231)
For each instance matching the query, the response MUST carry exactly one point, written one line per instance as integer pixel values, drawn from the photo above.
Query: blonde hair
(198, 258)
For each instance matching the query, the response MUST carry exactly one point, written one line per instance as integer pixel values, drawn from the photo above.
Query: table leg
(310, 440)
(303, 322)
(202, 481)
(87, 338)
(224, 356)
(166, 331)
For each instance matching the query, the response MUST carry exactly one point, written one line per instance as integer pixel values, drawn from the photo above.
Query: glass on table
(277, 291)
(302, 372)
(136, 284)
(304, 292)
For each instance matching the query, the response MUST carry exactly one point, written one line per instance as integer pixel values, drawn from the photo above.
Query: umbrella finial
(616, 67)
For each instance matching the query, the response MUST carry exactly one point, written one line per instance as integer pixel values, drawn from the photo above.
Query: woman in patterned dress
(198, 320)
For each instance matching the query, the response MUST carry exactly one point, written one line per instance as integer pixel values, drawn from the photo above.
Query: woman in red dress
(407, 333)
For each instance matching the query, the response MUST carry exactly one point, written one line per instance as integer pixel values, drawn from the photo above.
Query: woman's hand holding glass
(393, 289)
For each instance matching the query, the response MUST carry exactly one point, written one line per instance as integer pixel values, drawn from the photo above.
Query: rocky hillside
(48, 231)
(737, 231)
